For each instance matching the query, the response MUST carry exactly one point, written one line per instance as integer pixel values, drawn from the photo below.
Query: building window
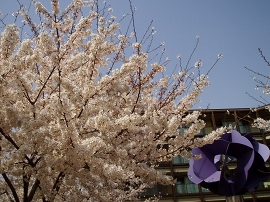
(158, 190)
(205, 190)
(245, 127)
(179, 160)
(184, 185)
(203, 131)
(229, 123)
(151, 191)
(265, 185)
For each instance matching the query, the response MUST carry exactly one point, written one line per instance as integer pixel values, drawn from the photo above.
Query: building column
(236, 121)
(201, 192)
(173, 187)
(213, 121)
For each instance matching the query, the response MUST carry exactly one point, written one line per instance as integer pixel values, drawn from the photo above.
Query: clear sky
(234, 28)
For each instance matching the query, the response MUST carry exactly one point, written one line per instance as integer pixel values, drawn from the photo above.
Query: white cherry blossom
(83, 111)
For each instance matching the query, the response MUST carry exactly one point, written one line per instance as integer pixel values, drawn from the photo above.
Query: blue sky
(235, 29)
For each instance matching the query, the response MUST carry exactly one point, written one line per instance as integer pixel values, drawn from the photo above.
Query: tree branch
(30, 161)
(33, 190)
(264, 58)
(57, 183)
(133, 20)
(9, 139)
(25, 187)
(44, 84)
(14, 193)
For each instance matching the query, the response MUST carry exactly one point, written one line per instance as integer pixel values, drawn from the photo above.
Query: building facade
(184, 190)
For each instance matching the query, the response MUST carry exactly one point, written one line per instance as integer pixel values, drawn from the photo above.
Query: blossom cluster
(262, 124)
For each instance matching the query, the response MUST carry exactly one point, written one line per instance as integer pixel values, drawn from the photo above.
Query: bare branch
(133, 20)
(264, 58)
(33, 190)
(14, 193)
(258, 73)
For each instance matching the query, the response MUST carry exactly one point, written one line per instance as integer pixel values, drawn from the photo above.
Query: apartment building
(184, 190)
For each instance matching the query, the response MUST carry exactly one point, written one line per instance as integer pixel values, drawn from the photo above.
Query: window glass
(184, 185)
(179, 159)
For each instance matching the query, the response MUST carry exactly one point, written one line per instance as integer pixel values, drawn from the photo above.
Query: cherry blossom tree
(86, 113)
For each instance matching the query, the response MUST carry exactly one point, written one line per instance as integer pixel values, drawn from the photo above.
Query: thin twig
(264, 58)
(190, 57)
(133, 21)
